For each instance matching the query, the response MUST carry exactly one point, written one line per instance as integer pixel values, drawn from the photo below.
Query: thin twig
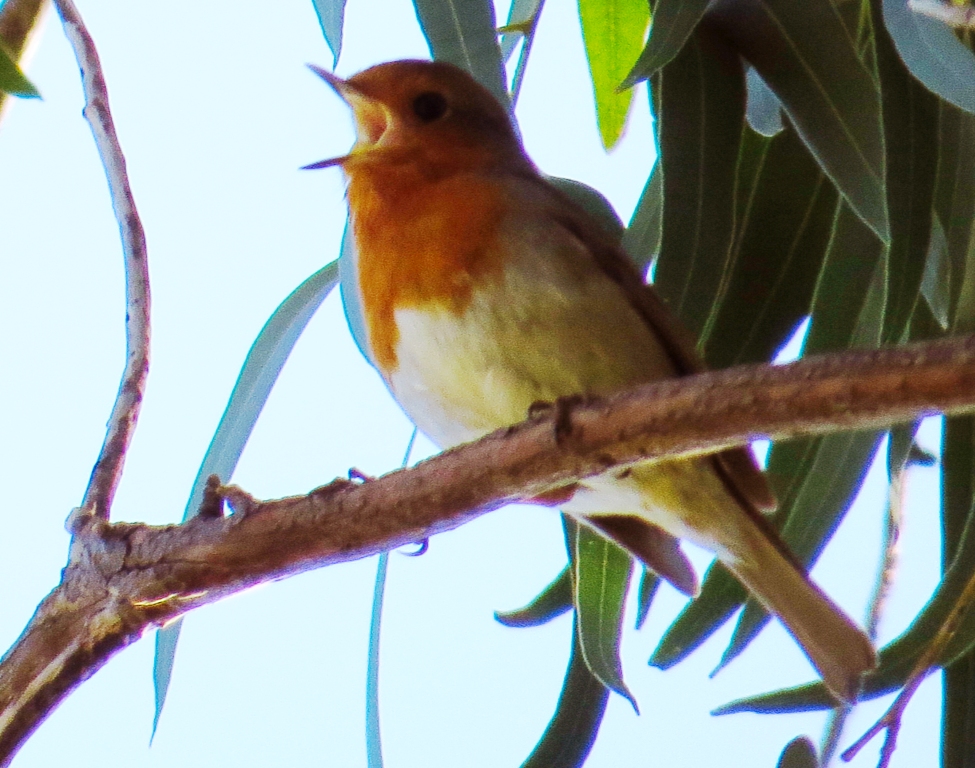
(125, 413)
(891, 720)
(960, 16)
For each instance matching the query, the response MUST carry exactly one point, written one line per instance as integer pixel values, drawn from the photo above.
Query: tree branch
(125, 413)
(123, 579)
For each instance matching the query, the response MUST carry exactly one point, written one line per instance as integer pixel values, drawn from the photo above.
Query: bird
(484, 290)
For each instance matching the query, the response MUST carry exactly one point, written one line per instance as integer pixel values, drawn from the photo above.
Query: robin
(484, 290)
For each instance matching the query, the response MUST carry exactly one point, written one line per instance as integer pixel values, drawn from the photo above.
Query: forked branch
(124, 579)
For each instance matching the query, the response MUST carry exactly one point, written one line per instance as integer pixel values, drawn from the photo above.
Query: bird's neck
(423, 241)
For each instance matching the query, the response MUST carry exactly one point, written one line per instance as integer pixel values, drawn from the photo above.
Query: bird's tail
(839, 649)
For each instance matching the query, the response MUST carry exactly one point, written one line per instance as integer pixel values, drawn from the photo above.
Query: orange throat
(421, 242)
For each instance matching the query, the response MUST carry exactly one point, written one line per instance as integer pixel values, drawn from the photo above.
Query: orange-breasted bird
(484, 290)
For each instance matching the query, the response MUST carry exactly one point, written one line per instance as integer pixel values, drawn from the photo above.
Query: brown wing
(736, 466)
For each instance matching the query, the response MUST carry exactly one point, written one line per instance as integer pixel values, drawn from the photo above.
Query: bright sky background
(216, 113)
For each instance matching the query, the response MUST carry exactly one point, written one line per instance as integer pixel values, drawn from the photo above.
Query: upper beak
(369, 114)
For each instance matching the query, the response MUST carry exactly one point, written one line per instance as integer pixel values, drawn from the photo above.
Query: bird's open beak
(371, 118)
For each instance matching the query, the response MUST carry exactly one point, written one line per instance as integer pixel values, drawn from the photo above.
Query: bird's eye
(429, 106)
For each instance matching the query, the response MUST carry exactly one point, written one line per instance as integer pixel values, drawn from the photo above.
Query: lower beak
(370, 116)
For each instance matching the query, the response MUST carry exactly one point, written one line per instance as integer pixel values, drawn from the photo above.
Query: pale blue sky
(216, 113)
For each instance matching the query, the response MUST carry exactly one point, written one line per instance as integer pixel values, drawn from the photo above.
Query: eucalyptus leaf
(674, 21)
(573, 728)
(804, 53)
(764, 111)
(13, 81)
(955, 207)
(521, 12)
(799, 753)
(642, 237)
(932, 53)
(601, 576)
(702, 98)
(784, 217)
(331, 17)
(464, 33)
(936, 280)
(649, 582)
(613, 32)
(550, 603)
(910, 116)
(260, 370)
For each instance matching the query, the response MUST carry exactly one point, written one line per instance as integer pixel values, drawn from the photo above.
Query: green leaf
(764, 110)
(805, 54)
(721, 595)
(910, 116)
(854, 264)
(464, 33)
(702, 112)
(521, 12)
(936, 280)
(374, 747)
(933, 54)
(572, 730)
(551, 602)
(613, 31)
(601, 575)
(822, 480)
(649, 582)
(799, 753)
(13, 81)
(783, 220)
(261, 368)
(331, 17)
(958, 484)
(642, 237)
(955, 206)
(673, 22)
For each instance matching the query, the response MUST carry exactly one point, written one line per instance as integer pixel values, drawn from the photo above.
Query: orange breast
(421, 242)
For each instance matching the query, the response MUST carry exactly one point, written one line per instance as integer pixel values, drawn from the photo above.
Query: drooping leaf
(642, 237)
(764, 111)
(649, 582)
(374, 747)
(260, 370)
(955, 207)
(702, 113)
(521, 13)
(783, 219)
(805, 54)
(673, 23)
(910, 116)
(613, 31)
(958, 494)
(601, 576)
(932, 53)
(832, 471)
(331, 17)
(13, 81)
(936, 280)
(464, 33)
(799, 753)
(550, 603)
(572, 730)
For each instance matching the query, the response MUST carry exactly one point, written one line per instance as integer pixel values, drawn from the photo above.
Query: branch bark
(128, 402)
(123, 579)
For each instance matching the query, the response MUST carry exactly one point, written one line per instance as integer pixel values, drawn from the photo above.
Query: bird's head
(424, 112)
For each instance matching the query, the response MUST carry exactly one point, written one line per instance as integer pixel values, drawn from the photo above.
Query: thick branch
(121, 424)
(123, 579)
